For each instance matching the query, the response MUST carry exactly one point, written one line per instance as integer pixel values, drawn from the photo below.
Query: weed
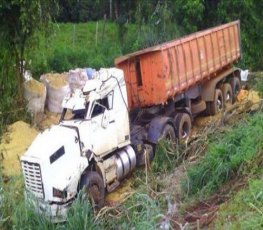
(167, 157)
(140, 211)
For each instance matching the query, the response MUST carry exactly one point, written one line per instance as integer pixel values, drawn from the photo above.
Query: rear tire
(184, 125)
(148, 154)
(93, 186)
(168, 133)
(236, 87)
(217, 105)
(227, 94)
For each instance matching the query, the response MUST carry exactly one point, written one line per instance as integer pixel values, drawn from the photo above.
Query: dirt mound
(14, 143)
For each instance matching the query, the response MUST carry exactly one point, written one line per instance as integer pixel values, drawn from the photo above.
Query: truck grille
(33, 179)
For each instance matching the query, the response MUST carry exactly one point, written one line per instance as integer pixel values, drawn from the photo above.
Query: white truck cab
(90, 146)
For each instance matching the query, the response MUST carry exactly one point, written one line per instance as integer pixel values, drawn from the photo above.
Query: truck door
(104, 133)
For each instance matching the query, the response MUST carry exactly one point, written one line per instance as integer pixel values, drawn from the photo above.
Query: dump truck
(115, 122)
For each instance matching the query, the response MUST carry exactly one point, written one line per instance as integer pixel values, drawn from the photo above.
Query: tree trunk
(19, 76)
(116, 6)
(110, 9)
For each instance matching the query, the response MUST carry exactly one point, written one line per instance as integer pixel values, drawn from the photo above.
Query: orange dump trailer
(162, 72)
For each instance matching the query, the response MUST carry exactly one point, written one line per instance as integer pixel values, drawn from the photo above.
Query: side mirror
(105, 119)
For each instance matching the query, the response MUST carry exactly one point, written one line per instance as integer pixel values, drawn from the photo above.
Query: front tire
(93, 186)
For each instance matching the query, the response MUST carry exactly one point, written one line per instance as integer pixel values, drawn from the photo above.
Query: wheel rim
(185, 130)
(228, 98)
(219, 104)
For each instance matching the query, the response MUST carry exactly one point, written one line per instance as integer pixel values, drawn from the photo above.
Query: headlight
(59, 194)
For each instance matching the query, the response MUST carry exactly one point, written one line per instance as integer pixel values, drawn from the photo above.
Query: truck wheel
(217, 105)
(93, 186)
(227, 94)
(236, 87)
(168, 133)
(148, 152)
(184, 126)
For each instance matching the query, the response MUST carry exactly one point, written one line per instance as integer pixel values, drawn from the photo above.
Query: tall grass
(167, 156)
(140, 211)
(16, 213)
(229, 155)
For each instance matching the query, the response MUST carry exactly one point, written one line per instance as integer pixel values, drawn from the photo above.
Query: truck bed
(159, 73)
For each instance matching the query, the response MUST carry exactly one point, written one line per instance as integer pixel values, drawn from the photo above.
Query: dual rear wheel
(181, 131)
(224, 96)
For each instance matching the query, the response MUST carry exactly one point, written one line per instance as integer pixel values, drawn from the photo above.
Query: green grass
(245, 209)
(17, 214)
(75, 45)
(230, 154)
(259, 83)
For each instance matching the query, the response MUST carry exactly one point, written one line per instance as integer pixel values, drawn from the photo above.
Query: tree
(20, 20)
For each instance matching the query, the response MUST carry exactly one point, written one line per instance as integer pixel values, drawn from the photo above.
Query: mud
(14, 143)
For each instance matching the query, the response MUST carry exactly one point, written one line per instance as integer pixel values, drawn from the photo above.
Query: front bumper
(56, 212)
